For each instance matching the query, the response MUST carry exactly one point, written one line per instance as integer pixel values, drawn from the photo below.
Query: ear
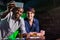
(34, 14)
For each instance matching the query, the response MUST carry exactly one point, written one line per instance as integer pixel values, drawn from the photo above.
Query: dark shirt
(33, 28)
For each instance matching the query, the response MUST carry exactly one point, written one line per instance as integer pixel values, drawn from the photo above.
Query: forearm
(4, 14)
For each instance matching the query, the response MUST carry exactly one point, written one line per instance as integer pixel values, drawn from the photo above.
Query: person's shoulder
(35, 19)
(26, 19)
(22, 19)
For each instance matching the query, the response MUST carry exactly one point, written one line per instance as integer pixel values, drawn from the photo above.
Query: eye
(21, 12)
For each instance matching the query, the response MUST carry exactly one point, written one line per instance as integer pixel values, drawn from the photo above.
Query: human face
(19, 12)
(30, 15)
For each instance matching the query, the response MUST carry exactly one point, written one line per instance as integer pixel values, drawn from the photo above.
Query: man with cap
(11, 24)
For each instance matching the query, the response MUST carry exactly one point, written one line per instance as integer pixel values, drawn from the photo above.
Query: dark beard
(15, 18)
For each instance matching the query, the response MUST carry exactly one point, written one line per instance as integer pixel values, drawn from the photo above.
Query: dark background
(48, 13)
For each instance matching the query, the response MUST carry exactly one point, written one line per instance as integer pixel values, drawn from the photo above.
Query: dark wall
(50, 22)
(54, 27)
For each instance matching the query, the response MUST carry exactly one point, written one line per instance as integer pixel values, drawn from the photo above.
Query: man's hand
(42, 32)
(31, 34)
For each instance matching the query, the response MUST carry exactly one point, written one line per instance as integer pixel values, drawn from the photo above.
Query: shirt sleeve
(23, 30)
(8, 15)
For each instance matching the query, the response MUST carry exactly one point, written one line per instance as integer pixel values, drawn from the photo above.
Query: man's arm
(37, 26)
(23, 26)
(23, 30)
(4, 14)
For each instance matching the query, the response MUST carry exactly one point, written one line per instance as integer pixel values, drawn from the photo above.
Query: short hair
(31, 9)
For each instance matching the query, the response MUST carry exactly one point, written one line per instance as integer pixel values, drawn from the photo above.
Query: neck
(15, 18)
(31, 20)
